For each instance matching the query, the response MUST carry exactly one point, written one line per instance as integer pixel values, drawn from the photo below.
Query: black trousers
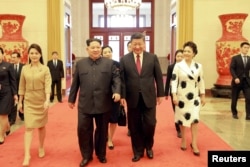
(236, 88)
(58, 85)
(85, 134)
(13, 114)
(141, 123)
(177, 127)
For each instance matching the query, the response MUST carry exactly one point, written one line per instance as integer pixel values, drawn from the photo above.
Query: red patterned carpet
(62, 147)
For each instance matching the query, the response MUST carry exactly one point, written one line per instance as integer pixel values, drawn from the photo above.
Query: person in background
(97, 81)
(239, 69)
(129, 48)
(57, 73)
(107, 52)
(8, 94)
(178, 56)
(142, 89)
(15, 59)
(34, 89)
(188, 91)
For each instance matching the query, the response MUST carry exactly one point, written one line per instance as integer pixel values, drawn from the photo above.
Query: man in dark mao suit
(239, 68)
(98, 81)
(142, 87)
(57, 73)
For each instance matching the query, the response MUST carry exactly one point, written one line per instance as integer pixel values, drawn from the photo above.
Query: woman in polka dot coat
(188, 90)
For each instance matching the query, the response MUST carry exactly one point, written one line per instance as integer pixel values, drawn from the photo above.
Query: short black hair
(17, 54)
(137, 35)
(178, 51)
(54, 52)
(244, 43)
(107, 46)
(88, 41)
(192, 45)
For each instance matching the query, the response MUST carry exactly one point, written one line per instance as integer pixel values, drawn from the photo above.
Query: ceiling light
(117, 4)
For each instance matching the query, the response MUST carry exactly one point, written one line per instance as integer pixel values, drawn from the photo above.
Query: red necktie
(138, 64)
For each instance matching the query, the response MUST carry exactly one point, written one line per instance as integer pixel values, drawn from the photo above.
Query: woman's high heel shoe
(195, 153)
(1, 142)
(7, 132)
(41, 153)
(26, 162)
(183, 148)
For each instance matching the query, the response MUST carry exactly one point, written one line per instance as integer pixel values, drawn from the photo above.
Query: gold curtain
(54, 25)
(185, 22)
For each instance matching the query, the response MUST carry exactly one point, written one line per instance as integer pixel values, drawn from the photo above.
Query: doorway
(118, 41)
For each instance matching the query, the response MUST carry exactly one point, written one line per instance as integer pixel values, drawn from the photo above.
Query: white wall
(208, 29)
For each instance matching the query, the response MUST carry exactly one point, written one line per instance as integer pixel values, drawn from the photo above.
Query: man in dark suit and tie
(57, 73)
(142, 88)
(240, 71)
(98, 81)
(15, 59)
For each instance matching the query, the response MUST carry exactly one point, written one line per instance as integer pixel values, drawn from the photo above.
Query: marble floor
(217, 116)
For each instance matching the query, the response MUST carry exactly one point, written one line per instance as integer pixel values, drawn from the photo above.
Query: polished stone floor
(217, 116)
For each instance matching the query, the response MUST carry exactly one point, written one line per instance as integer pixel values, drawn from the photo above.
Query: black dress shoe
(85, 162)
(137, 158)
(235, 117)
(150, 154)
(102, 159)
(60, 101)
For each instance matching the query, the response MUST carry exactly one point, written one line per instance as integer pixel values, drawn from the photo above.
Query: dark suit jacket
(7, 77)
(238, 70)
(18, 74)
(168, 79)
(149, 82)
(96, 82)
(56, 72)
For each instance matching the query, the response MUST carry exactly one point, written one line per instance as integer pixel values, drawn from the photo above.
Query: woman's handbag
(122, 118)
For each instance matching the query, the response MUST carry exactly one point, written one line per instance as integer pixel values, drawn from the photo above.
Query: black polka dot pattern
(196, 65)
(196, 121)
(183, 84)
(190, 77)
(196, 103)
(190, 96)
(199, 79)
(179, 122)
(173, 77)
(188, 81)
(187, 116)
(181, 104)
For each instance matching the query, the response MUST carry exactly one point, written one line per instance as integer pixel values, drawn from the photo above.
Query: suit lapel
(185, 68)
(132, 59)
